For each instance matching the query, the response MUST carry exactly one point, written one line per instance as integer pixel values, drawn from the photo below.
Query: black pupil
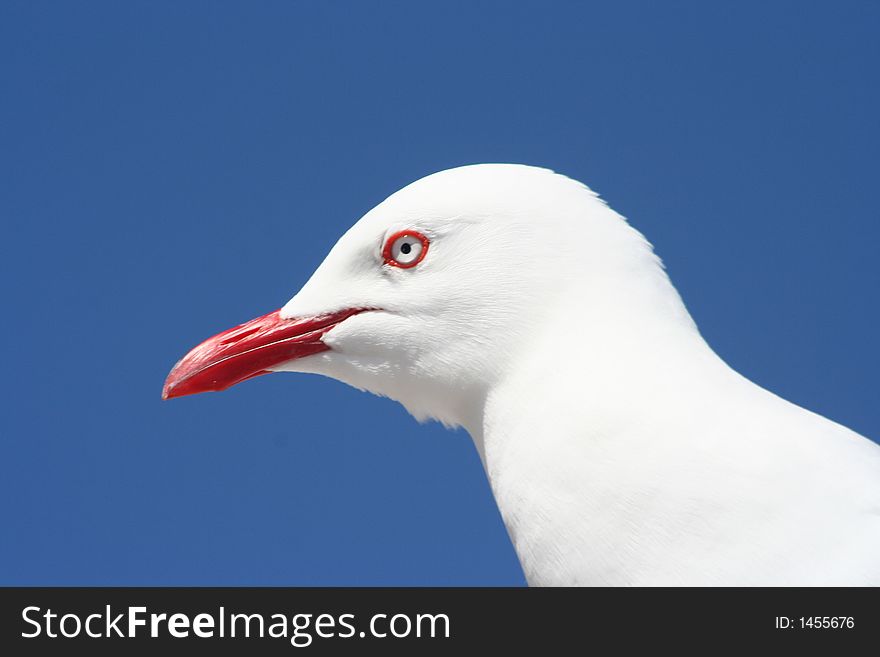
(405, 248)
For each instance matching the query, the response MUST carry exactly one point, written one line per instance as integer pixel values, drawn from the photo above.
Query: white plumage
(620, 448)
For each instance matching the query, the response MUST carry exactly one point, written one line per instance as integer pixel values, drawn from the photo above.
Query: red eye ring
(387, 250)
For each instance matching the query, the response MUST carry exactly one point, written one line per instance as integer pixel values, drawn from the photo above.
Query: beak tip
(169, 389)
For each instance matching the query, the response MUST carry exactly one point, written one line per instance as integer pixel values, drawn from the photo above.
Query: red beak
(249, 350)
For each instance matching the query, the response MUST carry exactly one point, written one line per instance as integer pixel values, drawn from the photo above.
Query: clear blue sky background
(170, 169)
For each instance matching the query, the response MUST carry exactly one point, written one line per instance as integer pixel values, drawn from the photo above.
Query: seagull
(513, 302)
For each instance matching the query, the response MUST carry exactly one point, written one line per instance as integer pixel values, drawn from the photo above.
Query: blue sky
(171, 169)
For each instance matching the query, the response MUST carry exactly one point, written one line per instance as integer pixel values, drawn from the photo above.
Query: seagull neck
(588, 400)
(625, 340)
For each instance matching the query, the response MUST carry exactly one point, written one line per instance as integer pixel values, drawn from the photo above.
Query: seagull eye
(405, 249)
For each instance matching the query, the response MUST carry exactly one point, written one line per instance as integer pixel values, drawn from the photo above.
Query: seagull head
(435, 294)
